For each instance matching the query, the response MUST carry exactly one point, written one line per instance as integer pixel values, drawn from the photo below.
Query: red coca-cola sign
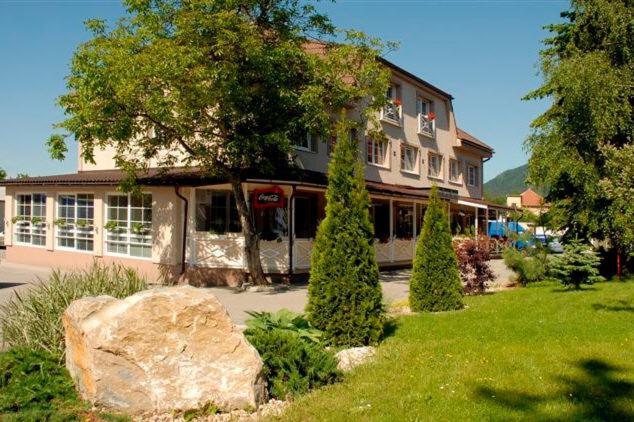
(272, 197)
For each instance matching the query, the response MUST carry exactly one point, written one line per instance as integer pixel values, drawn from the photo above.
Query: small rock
(351, 358)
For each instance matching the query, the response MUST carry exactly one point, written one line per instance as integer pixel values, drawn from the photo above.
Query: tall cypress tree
(344, 294)
(435, 283)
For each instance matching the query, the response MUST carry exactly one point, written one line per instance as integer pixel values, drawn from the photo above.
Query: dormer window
(392, 111)
(426, 117)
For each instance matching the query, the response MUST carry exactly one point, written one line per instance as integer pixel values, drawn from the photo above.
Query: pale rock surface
(161, 350)
(351, 358)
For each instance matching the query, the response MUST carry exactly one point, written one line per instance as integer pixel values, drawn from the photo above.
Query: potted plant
(112, 226)
(19, 219)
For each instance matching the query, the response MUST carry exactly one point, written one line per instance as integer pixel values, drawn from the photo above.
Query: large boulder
(160, 350)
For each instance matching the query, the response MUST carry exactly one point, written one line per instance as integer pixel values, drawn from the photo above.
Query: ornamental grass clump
(344, 294)
(435, 284)
(33, 319)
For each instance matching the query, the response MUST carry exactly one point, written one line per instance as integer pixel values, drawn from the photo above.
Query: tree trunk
(251, 238)
(618, 263)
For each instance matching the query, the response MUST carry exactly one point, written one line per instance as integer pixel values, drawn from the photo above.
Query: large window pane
(31, 227)
(74, 224)
(216, 212)
(132, 231)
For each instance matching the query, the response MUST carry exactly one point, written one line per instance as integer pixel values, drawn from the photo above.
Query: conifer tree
(435, 284)
(344, 294)
(577, 265)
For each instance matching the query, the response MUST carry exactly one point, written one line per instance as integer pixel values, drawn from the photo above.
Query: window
(216, 212)
(435, 166)
(306, 218)
(380, 216)
(75, 217)
(377, 150)
(409, 156)
(129, 224)
(271, 223)
(472, 175)
(30, 224)
(306, 142)
(404, 228)
(333, 140)
(454, 170)
(426, 125)
(392, 110)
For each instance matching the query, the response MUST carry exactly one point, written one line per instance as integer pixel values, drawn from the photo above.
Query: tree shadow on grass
(389, 328)
(573, 290)
(614, 306)
(598, 394)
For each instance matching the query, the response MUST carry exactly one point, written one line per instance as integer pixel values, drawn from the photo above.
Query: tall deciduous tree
(223, 85)
(435, 284)
(344, 294)
(580, 145)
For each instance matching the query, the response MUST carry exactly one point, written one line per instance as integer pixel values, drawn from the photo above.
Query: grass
(536, 353)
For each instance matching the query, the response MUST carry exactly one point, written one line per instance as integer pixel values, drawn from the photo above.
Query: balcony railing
(425, 125)
(392, 112)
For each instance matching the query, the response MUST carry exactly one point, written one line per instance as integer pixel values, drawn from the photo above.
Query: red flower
(431, 116)
(397, 102)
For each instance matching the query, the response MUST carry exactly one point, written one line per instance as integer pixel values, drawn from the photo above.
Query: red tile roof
(466, 136)
(530, 198)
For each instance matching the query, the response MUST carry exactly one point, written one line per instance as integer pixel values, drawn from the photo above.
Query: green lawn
(536, 353)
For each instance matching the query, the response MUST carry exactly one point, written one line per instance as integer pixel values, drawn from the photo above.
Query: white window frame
(75, 231)
(476, 175)
(371, 156)
(149, 238)
(405, 147)
(41, 231)
(457, 180)
(422, 116)
(311, 140)
(440, 175)
(392, 96)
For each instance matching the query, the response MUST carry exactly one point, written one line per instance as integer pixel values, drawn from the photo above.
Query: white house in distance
(186, 225)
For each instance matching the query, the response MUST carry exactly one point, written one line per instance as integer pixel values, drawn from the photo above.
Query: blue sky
(483, 52)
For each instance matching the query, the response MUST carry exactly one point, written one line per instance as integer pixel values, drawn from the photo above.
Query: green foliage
(292, 365)
(57, 147)
(22, 176)
(3, 174)
(579, 264)
(226, 86)
(34, 319)
(34, 385)
(435, 284)
(206, 410)
(582, 146)
(344, 294)
(527, 268)
(284, 320)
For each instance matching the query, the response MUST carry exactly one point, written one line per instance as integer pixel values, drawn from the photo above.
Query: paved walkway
(395, 284)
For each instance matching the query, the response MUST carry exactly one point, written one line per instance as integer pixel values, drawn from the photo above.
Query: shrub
(284, 320)
(292, 366)
(35, 386)
(435, 284)
(528, 269)
(473, 261)
(577, 265)
(34, 320)
(344, 294)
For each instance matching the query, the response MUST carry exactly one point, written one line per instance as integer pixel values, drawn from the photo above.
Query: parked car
(555, 246)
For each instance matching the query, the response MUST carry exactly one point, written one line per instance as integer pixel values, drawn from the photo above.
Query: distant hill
(509, 182)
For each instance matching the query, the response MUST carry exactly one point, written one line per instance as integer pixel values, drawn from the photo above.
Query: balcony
(426, 125)
(392, 112)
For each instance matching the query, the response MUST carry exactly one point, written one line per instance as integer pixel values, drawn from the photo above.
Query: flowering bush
(473, 256)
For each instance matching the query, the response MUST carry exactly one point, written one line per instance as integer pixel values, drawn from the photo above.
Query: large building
(186, 225)
(529, 200)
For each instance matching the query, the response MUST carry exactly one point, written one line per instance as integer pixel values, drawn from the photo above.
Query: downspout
(185, 219)
(291, 233)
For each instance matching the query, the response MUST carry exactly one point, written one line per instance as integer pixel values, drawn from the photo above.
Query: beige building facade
(185, 225)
